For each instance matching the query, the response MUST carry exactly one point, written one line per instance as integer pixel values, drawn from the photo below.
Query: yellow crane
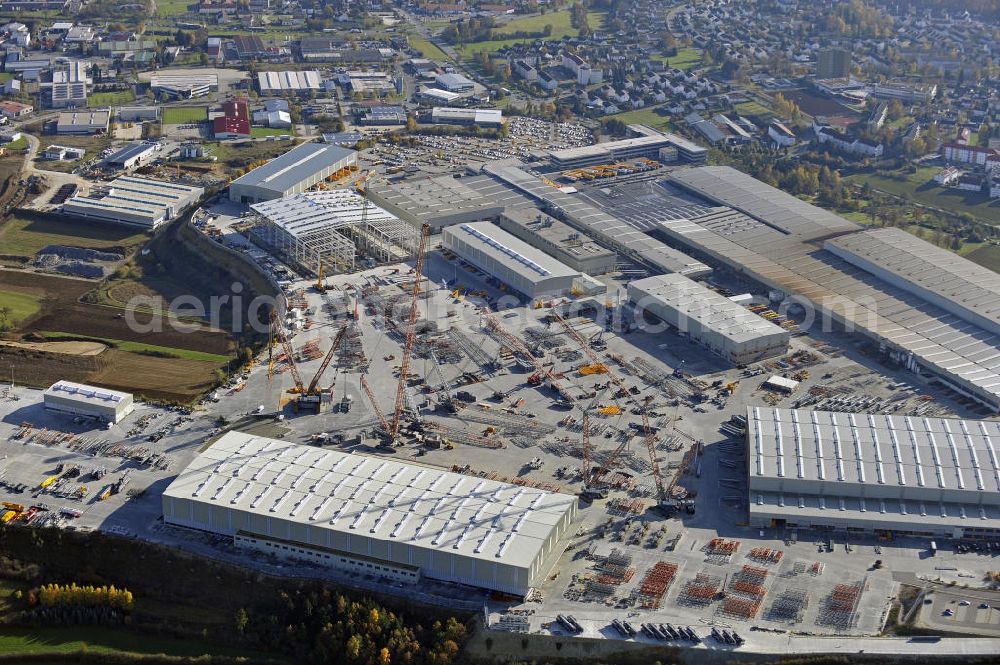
(320, 284)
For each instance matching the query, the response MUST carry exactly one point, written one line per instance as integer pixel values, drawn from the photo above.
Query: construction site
(477, 429)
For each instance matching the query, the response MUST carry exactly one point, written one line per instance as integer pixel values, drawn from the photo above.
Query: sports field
(185, 115)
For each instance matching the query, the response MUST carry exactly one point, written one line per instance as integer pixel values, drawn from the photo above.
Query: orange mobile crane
(311, 394)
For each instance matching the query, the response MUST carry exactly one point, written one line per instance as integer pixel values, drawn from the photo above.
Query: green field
(24, 237)
(172, 7)
(19, 144)
(96, 639)
(19, 305)
(6, 76)
(685, 59)
(261, 132)
(139, 347)
(752, 108)
(185, 115)
(102, 99)
(921, 189)
(561, 27)
(646, 116)
(427, 48)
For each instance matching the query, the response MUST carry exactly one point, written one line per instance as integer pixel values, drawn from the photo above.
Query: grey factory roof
(599, 224)
(927, 266)
(79, 392)
(727, 186)
(289, 80)
(130, 194)
(921, 458)
(608, 148)
(430, 199)
(130, 151)
(286, 171)
(506, 249)
(710, 308)
(558, 233)
(374, 497)
(938, 339)
(308, 213)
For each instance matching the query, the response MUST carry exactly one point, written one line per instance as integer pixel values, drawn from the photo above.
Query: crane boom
(411, 333)
(286, 345)
(518, 347)
(371, 399)
(326, 361)
(649, 438)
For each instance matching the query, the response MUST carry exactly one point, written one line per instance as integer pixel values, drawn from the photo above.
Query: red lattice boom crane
(411, 334)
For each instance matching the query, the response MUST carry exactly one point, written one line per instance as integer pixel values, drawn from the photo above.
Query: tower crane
(411, 334)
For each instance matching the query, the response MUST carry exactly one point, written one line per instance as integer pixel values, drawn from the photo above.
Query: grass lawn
(752, 108)
(102, 99)
(172, 7)
(185, 115)
(6, 76)
(427, 48)
(24, 237)
(921, 189)
(97, 639)
(21, 306)
(685, 59)
(561, 27)
(646, 116)
(139, 347)
(19, 144)
(261, 132)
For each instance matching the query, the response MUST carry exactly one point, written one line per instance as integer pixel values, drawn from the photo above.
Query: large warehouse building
(610, 231)
(439, 201)
(648, 144)
(80, 400)
(330, 228)
(963, 288)
(527, 270)
(901, 305)
(709, 318)
(294, 172)
(370, 515)
(558, 240)
(135, 201)
(869, 473)
(293, 82)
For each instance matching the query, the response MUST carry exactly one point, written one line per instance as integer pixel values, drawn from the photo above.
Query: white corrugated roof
(378, 498)
(89, 394)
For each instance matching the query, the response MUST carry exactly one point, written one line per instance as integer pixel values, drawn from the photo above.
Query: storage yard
(448, 410)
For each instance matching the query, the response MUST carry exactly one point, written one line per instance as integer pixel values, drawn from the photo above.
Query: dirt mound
(71, 348)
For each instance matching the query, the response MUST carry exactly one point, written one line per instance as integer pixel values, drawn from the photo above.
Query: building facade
(78, 399)
(382, 517)
(873, 473)
(526, 269)
(294, 172)
(726, 328)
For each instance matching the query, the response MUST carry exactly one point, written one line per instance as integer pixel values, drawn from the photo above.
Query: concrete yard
(500, 438)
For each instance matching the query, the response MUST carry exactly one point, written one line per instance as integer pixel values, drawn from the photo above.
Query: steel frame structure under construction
(331, 228)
